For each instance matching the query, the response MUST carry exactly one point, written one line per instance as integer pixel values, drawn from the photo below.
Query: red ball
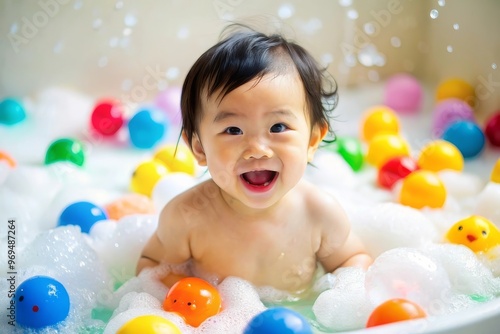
(395, 169)
(107, 117)
(492, 129)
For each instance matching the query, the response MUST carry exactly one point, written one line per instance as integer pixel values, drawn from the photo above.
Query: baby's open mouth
(259, 178)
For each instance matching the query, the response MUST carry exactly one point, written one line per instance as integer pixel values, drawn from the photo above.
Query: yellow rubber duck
(475, 232)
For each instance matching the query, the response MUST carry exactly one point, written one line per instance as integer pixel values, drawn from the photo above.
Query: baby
(254, 112)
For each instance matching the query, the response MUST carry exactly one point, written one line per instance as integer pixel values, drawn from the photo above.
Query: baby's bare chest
(282, 255)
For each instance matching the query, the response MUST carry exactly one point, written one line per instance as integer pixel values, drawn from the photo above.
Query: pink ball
(169, 101)
(403, 93)
(449, 111)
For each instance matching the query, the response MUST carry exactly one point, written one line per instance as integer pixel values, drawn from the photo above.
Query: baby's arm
(168, 244)
(340, 247)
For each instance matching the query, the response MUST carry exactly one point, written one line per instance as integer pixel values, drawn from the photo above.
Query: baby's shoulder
(192, 203)
(321, 205)
(315, 197)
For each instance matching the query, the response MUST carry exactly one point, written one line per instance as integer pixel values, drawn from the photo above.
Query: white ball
(170, 186)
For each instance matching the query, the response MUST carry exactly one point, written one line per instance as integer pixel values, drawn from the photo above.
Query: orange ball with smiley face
(194, 299)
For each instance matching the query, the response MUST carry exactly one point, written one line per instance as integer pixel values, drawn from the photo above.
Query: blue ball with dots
(41, 301)
(147, 127)
(278, 320)
(84, 214)
(467, 136)
(11, 111)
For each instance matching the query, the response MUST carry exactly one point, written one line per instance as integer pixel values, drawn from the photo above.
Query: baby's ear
(318, 133)
(197, 149)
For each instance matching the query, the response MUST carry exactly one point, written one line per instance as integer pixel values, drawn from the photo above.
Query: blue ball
(467, 136)
(11, 111)
(147, 127)
(278, 320)
(83, 214)
(41, 301)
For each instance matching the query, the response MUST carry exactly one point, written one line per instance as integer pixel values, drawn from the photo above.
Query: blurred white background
(133, 49)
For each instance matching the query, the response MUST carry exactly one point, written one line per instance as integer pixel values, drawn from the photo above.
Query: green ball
(351, 150)
(65, 149)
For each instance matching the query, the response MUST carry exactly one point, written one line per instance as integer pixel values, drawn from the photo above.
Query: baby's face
(257, 141)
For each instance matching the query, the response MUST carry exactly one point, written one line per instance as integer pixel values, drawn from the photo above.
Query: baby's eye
(484, 233)
(233, 130)
(278, 127)
(460, 228)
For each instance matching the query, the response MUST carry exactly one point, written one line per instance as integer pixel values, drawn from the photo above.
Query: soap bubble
(406, 273)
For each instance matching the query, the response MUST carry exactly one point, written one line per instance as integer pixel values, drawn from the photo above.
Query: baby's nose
(257, 148)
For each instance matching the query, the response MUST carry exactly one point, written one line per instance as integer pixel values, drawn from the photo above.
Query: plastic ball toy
(456, 88)
(146, 175)
(350, 149)
(422, 189)
(466, 136)
(492, 129)
(169, 101)
(129, 204)
(83, 214)
(394, 170)
(193, 299)
(475, 232)
(449, 111)
(177, 158)
(403, 93)
(495, 172)
(149, 324)
(41, 301)
(385, 147)
(7, 158)
(439, 155)
(394, 310)
(146, 128)
(107, 117)
(11, 112)
(65, 149)
(278, 320)
(379, 120)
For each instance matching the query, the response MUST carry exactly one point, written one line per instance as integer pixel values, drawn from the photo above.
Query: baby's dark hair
(246, 55)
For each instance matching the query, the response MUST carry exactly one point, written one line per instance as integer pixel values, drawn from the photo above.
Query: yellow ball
(149, 324)
(378, 120)
(475, 232)
(384, 147)
(456, 88)
(439, 155)
(177, 158)
(146, 175)
(422, 189)
(495, 173)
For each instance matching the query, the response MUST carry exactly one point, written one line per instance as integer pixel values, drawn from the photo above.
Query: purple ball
(403, 93)
(169, 101)
(450, 111)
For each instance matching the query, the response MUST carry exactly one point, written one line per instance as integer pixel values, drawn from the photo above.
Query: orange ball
(193, 299)
(422, 188)
(378, 120)
(7, 158)
(384, 147)
(129, 204)
(394, 310)
(440, 154)
(456, 88)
